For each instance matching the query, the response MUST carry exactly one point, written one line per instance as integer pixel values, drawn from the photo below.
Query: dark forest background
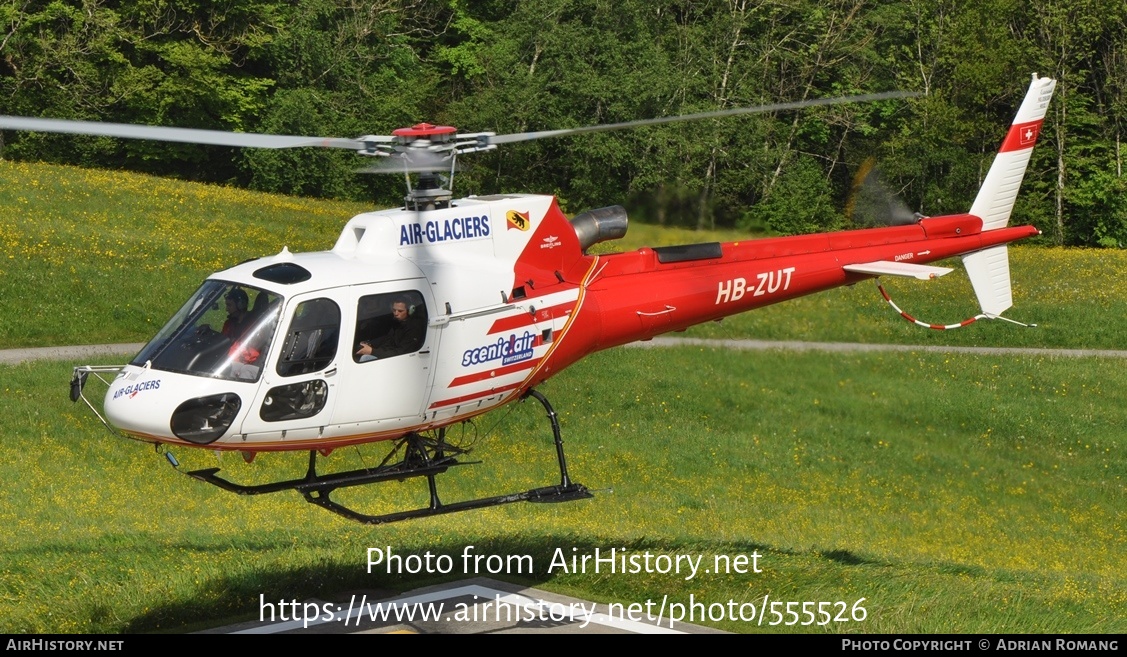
(349, 68)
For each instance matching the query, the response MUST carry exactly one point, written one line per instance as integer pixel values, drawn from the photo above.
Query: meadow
(91, 257)
(953, 493)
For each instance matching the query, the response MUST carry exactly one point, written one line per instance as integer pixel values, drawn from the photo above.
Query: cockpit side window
(389, 325)
(311, 343)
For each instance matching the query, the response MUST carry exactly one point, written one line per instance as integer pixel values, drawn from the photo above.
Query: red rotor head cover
(424, 130)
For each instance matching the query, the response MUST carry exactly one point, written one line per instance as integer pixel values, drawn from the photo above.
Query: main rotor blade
(182, 135)
(775, 107)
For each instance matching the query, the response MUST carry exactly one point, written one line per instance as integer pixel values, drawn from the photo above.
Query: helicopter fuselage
(431, 314)
(502, 296)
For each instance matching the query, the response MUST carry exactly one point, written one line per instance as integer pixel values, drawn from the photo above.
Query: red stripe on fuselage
(522, 320)
(500, 371)
(475, 395)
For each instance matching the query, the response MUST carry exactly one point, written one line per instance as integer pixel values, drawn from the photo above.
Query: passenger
(406, 335)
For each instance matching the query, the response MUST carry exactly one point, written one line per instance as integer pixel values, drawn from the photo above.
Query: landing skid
(421, 457)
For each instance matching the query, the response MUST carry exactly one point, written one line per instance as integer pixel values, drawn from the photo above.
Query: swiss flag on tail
(1021, 136)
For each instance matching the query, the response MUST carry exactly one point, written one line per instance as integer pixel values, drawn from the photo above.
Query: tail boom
(641, 294)
(634, 296)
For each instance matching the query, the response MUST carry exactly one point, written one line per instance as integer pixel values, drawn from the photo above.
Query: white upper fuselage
(457, 267)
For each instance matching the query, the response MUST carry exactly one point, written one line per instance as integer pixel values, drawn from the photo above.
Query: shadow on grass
(845, 557)
(228, 599)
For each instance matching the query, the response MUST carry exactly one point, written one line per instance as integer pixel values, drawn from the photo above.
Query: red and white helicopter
(431, 314)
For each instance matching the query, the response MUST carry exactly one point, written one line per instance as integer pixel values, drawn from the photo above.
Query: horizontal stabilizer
(889, 268)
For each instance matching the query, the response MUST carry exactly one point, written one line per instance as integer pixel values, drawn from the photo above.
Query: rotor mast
(421, 142)
(429, 150)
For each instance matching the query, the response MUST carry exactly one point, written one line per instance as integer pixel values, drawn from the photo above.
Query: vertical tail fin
(996, 198)
(989, 270)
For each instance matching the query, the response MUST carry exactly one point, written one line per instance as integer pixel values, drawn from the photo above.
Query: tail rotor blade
(872, 203)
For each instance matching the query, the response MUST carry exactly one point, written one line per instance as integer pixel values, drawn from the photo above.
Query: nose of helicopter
(169, 407)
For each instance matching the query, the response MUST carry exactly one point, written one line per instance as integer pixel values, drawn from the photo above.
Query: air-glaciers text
(444, 230)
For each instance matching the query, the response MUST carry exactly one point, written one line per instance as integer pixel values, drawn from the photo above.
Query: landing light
(205, 419)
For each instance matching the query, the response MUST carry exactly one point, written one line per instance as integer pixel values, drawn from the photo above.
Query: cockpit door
(299, 385)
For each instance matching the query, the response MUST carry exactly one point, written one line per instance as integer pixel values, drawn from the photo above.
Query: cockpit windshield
(223, 332)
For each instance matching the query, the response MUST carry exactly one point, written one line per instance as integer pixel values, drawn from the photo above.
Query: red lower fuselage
(638, 295)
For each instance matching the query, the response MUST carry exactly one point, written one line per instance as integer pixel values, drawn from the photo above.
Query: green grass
(90, 257)
(954, 493)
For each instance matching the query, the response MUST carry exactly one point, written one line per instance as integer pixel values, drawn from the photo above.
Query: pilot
(238, 318)
(405, 336)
